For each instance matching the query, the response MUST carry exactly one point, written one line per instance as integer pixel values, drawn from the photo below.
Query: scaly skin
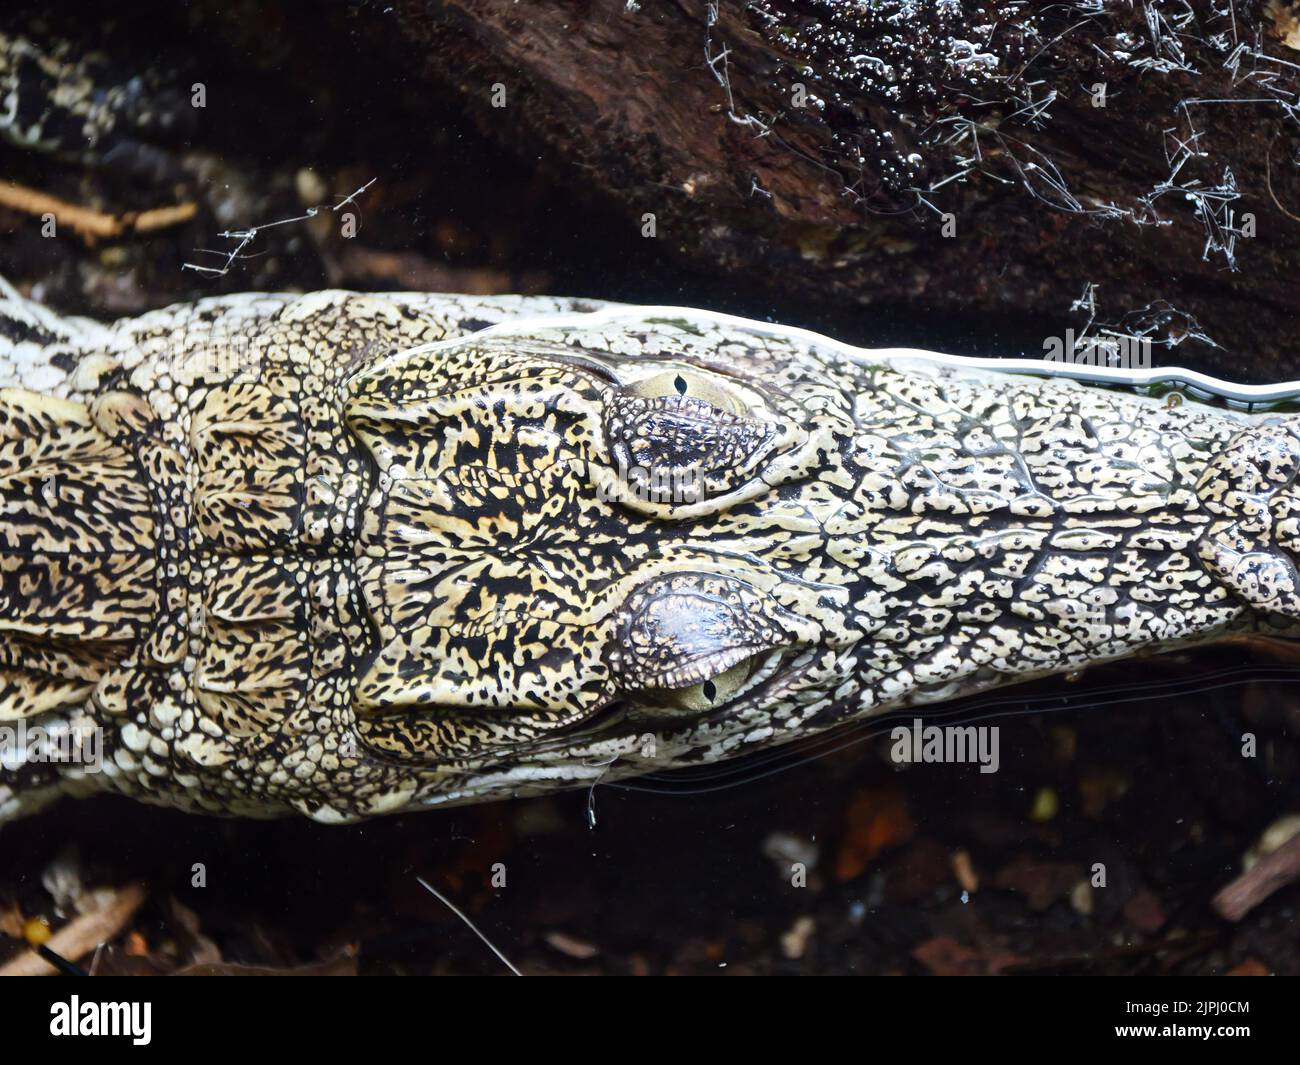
(346, 555)
(57, 97)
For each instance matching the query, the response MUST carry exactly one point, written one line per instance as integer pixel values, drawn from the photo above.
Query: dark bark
(740, 179)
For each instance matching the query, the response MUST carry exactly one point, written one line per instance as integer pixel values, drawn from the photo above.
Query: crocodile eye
(691, 643)
(682, 437)
(688, 385)
(714, 692)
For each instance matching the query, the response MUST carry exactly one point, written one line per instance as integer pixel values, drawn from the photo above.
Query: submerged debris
(968, 93)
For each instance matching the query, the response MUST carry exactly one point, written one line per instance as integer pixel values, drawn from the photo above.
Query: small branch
(1268, 181)
(468, 923)
(82, 935)
(87, 223)
(1273, 871)
(247, 236)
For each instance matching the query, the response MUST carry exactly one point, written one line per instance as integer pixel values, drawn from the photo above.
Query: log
(944, 155)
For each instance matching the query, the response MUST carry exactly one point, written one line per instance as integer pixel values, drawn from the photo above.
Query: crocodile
(344, 554)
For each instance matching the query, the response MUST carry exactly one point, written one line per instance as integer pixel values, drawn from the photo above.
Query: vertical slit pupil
(679, 383)
(710, 690)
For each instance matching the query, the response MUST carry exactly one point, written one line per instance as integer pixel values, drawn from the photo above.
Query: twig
(87, 223)
(468, 923)
(81, 935)
(247, 236)
(591, 792)
(61, 963)
(1274, 870)
(1268, 182)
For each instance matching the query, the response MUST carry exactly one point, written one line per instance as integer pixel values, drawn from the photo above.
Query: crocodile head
(578, 538)
(601, 546)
